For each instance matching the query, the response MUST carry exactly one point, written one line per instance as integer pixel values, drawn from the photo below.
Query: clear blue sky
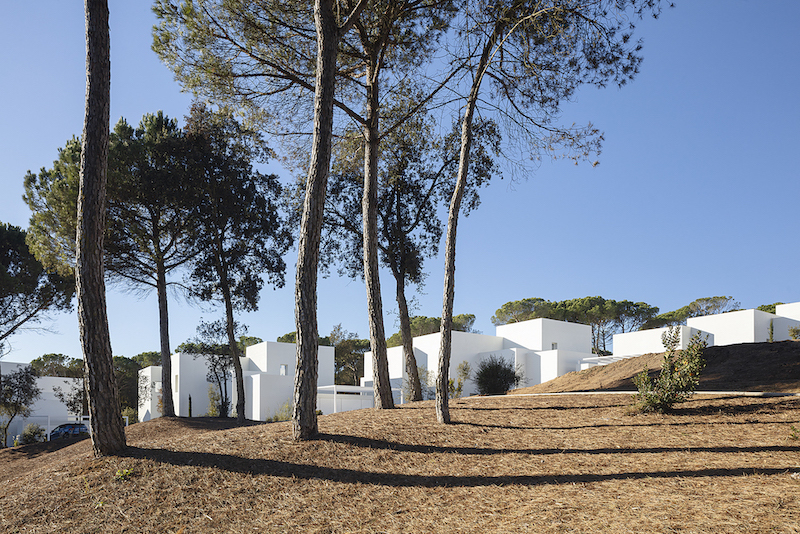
(696, 194)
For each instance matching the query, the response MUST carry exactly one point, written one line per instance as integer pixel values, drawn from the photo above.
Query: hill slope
(772, 367)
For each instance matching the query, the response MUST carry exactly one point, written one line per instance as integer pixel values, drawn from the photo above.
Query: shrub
(679, 376)
(32, 433)
(794, 332)
(456, 387)
(284, 413)
(496, 376)
(131, 413)
(427, 383)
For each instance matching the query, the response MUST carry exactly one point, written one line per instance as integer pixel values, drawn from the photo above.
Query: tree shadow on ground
(277, 468)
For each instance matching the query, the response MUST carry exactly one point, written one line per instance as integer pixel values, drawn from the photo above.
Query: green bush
(794, 332)
(32, 433)
(456, 387)
(284, 413)
(132, 413)
(679, 376)
(496, 376)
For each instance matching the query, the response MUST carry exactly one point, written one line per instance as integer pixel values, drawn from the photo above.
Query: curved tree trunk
(237, 363)
(108, 433)
(166, 357)
(408, 344)
(304, 412)
(443, 371)
(369, 208)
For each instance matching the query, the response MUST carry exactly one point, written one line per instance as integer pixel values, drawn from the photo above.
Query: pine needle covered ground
(572, 463)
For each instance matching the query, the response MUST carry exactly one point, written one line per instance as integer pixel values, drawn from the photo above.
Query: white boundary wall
(742, 326)
(649, 341)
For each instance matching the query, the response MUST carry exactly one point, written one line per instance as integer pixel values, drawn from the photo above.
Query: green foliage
(74, 398)
(284, 413)
(794, 433)
(605, 316)
(131, 413)
(794, 332)
(427, 384)
(214, 401)
(712, 306)
(123, 474)
(456, 386)
(32, 433)
(126, 371)
(421, 326)
(495, 376)
(679, 375)
(769, 308)
(27, 290)
(58, 365)
(147, 359)
(348, 355)
(291, 337)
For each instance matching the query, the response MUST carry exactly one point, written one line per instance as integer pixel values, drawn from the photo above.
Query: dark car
(69, 430)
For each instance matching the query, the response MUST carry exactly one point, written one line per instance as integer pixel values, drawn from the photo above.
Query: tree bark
(304, 412)
(408, 343)
(443, 374)
(167, 403)
(369, 207)
(108, 433)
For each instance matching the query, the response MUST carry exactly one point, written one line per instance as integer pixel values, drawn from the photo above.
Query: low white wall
(649, 341)
(781, 325)
(742, 326)
(790, 311)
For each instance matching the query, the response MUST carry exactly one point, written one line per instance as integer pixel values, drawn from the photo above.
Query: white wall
(792, 310)
(743, 326)
(649, 341)
(148, 407)
(191, 373)
(47, 411)
(540, 334)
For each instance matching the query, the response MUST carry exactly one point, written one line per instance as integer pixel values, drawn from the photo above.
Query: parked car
(69, 430)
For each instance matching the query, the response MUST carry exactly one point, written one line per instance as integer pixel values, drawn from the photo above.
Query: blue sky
(696, 192)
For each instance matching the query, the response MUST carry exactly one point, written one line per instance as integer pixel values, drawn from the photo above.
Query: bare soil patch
(575, 463)
(765, 367)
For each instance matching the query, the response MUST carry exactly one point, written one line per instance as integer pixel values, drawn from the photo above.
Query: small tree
(495, 376)
(679, 376)
(73, 397)
(18, 392)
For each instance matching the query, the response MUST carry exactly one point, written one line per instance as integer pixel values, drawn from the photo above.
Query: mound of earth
(767, 367)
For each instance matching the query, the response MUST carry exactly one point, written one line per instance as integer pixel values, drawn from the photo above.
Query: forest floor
(545, 464)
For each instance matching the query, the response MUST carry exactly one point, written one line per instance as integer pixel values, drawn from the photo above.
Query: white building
(48, 411)
(541, 348)
(268, 370)
(741, 326)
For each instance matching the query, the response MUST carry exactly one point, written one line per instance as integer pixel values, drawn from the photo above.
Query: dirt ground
(544, 464)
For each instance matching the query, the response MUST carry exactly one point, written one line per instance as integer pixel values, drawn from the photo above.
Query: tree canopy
(27, 290)
(58, 365)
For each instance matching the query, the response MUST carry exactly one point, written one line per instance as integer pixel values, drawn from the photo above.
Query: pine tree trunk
(443, 371)
(108, 433)
(237, 363)
(408, 344)
(369, 208)
(304, 412)
(167, 403)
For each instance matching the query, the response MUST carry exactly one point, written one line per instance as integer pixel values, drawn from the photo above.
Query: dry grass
(508, 464)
